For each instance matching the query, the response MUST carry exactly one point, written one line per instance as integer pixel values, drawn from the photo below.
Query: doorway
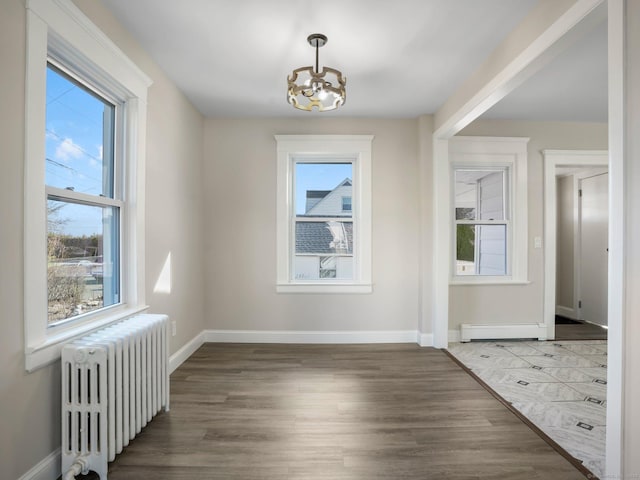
(575, 229)
(582, 251)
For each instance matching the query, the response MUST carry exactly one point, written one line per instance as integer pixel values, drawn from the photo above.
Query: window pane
(324, 250)
(481, 250)
(82, 250)
(479, 195)
(320, 188)
(79, 137)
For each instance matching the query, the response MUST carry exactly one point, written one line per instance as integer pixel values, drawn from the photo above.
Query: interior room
(369, 267)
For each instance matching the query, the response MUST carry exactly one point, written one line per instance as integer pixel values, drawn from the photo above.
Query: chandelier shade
(308, 87)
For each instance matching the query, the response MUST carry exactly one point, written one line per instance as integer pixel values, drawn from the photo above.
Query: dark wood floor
(309, 412)
(580, 331)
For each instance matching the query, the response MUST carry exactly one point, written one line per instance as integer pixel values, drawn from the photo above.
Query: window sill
(479, 281)
(341, 288)
(37, 356)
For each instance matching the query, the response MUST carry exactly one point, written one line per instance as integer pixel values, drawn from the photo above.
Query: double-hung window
(84, 197)
(489, 209)
(481, 220)
(324, 235)
(84, 179)
(324, 214)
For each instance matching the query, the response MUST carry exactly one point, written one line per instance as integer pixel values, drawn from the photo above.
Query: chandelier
(309, 87)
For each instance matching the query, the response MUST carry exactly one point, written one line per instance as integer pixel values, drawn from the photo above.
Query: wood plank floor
(580, 331)
(338, 412)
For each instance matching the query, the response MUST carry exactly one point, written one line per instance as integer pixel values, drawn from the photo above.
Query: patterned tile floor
(559, 385)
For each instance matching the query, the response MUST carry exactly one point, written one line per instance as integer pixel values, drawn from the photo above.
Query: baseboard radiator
(113, 383)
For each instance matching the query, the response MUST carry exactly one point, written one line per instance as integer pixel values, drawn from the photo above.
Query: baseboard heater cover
(470, 332)
(114, 381)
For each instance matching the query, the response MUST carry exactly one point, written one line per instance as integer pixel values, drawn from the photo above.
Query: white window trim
(353, 147)
(59, 27)
(500, 152)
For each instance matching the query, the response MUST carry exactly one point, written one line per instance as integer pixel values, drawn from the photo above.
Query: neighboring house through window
(324, 217)
(489, 209)
(324, 232)
(85, 136)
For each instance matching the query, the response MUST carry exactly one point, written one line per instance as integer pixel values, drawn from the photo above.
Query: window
(83, 211)
(323, 231)
(346, 204)
(84, 214)
(324, 217)
(489, 209)
(481, 219)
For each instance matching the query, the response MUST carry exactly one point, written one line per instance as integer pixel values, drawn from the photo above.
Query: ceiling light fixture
(309, 87)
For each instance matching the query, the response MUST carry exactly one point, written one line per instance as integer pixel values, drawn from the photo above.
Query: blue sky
(74, 146)
(318, 176)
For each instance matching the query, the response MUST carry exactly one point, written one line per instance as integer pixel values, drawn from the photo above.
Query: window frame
(508, 154)
(60, 32)
(292, 149)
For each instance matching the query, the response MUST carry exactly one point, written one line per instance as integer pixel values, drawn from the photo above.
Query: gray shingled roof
(316, 238)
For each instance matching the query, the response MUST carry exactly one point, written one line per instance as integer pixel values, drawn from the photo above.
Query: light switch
(537, 242)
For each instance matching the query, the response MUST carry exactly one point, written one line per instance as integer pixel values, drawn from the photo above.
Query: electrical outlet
(173, 328)
(537, 242)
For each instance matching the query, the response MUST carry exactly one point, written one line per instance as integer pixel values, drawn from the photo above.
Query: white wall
(512, 304)
(29, 403)
(240, 165)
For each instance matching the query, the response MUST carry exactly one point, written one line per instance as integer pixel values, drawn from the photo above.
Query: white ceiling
(572, 87)
(402, 58)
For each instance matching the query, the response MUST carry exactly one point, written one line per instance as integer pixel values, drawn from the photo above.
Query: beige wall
(240, 205)
(512, 304)
(30, 406)
(564, 245)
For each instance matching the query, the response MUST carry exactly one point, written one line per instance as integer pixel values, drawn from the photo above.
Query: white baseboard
(46, 469)
(186, 351)
(566, 312)
(425, 339)
(296, 336)
(470, 332)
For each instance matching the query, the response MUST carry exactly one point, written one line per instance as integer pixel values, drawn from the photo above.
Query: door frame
(552, 160)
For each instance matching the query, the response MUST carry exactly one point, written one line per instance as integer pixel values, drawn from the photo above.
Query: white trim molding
(470, 332)
(312, 337)
(45, 469)
(58, 29)
(425, 339)
(324, 148)
(188, 349)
